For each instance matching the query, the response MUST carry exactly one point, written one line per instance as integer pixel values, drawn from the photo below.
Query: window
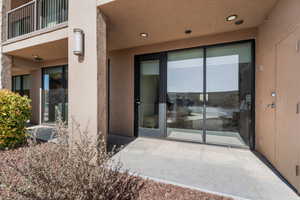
(55, 94)
(21, 84)
(21, 27)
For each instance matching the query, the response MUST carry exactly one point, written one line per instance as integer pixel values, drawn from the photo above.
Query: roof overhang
(168, 20)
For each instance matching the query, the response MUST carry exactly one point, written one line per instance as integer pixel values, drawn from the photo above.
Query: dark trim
(163, 77)
(65, 84)
(204, 96)
(163, 56)
(198, 142)
(136, 93)
(196, 47)
(108, 95)
(253, 89)
(275, 171)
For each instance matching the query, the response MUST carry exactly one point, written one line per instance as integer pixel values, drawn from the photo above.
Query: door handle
(298, 108)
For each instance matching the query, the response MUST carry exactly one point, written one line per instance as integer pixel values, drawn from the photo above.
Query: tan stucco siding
(277, 129)
(122, 74)
(281, 22)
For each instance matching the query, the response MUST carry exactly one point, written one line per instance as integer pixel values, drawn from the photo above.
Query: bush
(14, 113)
(83, 170)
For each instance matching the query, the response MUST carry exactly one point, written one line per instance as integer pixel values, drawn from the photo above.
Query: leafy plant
(15, 111)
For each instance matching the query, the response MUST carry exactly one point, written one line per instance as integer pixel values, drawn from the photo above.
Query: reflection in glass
(185, 95)
(55, 102)
(21, 84)
(149, 94)
(228, 109)
(52, 12)
(17, 84)
(26, 85)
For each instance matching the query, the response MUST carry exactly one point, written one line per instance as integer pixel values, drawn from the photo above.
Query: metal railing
(36, 15)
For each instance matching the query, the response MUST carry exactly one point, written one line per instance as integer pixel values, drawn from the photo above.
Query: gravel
(151, 190)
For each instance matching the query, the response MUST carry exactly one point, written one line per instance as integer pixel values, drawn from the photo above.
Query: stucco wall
(87, 74)
(122, 74)
(273, 133)
(283, 20)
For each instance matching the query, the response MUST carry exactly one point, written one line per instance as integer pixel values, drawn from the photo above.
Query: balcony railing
(36, 15)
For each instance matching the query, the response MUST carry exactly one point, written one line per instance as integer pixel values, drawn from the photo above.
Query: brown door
(288, 108)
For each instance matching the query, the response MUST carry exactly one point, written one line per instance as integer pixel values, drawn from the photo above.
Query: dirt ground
(151, 190)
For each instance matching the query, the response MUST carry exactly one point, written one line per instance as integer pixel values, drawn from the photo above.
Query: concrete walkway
(234, 172)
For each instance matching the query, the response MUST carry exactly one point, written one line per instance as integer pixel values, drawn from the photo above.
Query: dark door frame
(162, 56)
(162, 81)
(65, 86)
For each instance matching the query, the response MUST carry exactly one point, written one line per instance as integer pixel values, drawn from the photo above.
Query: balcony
(34, 16)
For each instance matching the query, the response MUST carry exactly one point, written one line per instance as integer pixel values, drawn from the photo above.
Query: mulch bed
(151, 190)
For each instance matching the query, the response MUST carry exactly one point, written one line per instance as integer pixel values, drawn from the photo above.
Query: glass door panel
(55, 94)
(185, 95)
(26, 85)
(228, 103)
(17, 85)
(149, 107)
(21, 84)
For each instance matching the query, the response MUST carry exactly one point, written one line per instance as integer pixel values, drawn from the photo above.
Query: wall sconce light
(79, 42)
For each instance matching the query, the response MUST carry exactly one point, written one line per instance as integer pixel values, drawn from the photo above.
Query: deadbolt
(272, 105)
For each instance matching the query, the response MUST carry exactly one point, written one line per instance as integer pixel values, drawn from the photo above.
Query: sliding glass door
(55, 94)
(229, 94)
(201, 94)
(185, 105)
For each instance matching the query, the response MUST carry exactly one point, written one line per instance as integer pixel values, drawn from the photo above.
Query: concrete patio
(233, 172)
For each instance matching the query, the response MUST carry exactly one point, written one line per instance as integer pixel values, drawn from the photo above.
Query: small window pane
(17, 83)
(26, 82)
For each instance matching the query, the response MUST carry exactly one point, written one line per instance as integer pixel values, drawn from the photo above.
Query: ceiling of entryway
(166, 20)
(49, 51)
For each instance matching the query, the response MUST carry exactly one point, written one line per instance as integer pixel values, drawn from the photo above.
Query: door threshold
(197, 142)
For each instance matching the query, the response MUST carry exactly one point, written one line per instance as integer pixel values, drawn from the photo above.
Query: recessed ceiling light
(37, 58)
(239, 22)
(231, 18)
(144, 35)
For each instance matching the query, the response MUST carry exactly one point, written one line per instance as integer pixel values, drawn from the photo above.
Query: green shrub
(15, 111)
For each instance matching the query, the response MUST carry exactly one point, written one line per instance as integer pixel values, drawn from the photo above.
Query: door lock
(272, 105)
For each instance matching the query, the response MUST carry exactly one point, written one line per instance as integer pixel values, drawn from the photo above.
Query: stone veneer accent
(6, 61)
(5, 71)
